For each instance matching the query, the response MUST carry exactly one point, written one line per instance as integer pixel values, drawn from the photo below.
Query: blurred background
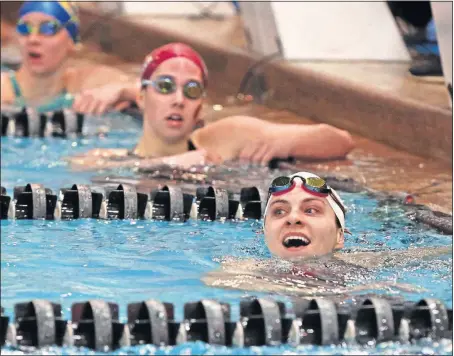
(393, 56)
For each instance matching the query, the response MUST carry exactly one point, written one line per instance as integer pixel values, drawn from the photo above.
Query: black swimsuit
(191, 146)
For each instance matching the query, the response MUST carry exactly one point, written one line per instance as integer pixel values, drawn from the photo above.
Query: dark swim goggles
(314, 185)
(166, 85)
(46, 28)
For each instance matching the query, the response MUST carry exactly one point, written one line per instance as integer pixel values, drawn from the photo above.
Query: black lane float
(4, 204)
(123, 201)
(168, 203)
(29, 123)
(253, 202)
(263, 322)
(33, 201)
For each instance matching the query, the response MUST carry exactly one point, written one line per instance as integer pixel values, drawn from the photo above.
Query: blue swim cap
(62, 11)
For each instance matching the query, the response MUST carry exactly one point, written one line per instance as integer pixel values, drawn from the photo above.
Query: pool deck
(390, 103)
(392, 77)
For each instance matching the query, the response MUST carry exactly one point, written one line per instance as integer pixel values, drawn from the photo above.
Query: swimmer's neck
(314, 258)
(38, 89)
(151, 145)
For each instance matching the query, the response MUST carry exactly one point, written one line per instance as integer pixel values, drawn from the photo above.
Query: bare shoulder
(394, 258)
(7, 94)
(90, 76)
(231, 264)
(242, 274)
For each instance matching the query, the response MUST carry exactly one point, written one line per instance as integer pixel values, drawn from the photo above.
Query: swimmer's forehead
(298, 200)
(178, 66)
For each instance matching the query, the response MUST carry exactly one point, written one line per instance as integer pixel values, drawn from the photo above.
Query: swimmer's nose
(294, 218)
(179, 97)
(33, 38)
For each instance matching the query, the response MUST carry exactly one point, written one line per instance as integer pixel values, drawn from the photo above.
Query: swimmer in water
(303, 217)
(48, 35)
(174, 82)
(304, 227)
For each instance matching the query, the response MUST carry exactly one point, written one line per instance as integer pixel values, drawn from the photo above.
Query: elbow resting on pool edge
(319, 141)
(344, 142)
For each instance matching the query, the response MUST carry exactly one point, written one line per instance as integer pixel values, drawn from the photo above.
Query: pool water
(129, 261)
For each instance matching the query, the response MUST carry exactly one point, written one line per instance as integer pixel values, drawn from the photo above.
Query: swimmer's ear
(73, 48)
(78, 47)
(199, 124)
(340, 239)
(197, 113)
(140, 100)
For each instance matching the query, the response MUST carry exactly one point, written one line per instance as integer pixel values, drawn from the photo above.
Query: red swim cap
(172, 50)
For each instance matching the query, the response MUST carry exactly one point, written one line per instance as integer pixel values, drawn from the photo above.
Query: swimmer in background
(174, 82)
(48, 36)
(304, 228)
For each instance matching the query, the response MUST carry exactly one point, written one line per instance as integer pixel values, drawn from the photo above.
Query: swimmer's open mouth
(296, 241)
(175, 117)
(34, 55)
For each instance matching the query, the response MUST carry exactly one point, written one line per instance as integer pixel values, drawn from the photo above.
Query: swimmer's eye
(49, 28)
(165, 85)
(311, 211)
(46, 28)
(193, 90)
(278, 212)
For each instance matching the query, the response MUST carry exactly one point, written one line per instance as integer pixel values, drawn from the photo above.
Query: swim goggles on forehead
(167, 85)
(313, 185)
(46, 28)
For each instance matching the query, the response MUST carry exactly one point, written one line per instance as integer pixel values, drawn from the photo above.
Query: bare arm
(228, 136)
(95, 76)
(95, 157)
(105, 159)
(108, 76)
(320, 141)
(100, 88)
(256, 140)
(6, 93)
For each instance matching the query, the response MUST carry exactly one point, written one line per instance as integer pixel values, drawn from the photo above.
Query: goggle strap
(146, 82)
(338, 211)
(337, 200)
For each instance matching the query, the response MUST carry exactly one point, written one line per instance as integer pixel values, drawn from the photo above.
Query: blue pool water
(129, 261)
